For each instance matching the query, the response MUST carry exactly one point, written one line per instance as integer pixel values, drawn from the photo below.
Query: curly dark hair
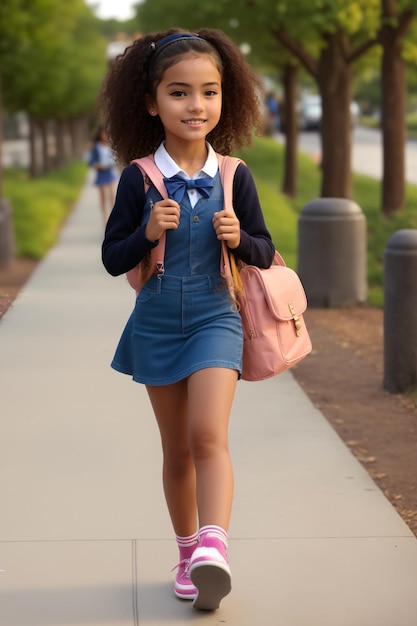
(135, 75)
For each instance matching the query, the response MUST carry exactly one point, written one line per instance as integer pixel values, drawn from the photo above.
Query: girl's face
(189, 99)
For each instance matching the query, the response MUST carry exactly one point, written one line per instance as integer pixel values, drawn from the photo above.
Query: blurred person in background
(101, 159)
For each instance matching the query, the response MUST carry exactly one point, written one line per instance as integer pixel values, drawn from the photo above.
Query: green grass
(41, 205)
(412, 126)
(265, 159)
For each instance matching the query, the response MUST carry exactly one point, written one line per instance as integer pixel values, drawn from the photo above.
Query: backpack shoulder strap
(228, 166)
(151, 174)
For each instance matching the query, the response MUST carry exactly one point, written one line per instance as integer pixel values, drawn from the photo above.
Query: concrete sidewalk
(85, 537)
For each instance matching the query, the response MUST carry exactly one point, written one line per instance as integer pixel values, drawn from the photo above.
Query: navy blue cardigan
(125, 244)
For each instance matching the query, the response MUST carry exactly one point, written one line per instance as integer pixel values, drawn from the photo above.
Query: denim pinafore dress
(185, 320)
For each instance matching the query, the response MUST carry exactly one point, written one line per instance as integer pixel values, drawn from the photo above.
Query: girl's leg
(210, 397)
(108, 199)
(102, 194)
(110, 196)
(170, 405)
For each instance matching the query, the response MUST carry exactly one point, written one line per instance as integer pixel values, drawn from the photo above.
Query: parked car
(309, 113)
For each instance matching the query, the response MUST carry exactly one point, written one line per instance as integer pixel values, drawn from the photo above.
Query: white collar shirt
(169, 168)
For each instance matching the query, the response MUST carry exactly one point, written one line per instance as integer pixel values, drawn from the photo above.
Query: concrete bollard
(6, 233)
(332, 252)
(400, 311)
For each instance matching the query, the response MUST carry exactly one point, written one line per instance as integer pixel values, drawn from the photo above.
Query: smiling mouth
(194, 122)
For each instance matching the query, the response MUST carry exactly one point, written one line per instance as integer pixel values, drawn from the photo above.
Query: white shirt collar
(169, 168)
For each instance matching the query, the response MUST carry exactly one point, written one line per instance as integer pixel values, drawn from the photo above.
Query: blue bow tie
(176, 186)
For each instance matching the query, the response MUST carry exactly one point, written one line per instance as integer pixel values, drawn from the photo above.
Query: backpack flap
(282, 290)
(284, 293)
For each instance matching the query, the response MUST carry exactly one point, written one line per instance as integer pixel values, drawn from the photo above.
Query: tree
(289, 81)
(342, 31)
(396, 20)
(327, 37)
(273, 59)
(14, 33)
(56, 72)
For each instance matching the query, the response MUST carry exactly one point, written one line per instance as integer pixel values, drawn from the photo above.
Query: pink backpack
(271, 303)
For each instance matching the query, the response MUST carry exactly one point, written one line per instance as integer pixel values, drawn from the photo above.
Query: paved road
(366, 153)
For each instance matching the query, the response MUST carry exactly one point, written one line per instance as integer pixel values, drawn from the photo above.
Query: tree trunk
(335, 80)
(333, 74)
(35, 167)
(1, 140)
(44, 130)
(393, 121)
(61, 156)
(289, 184)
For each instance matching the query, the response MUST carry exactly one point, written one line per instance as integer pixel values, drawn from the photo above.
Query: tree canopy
(52, 58)
(327, 38)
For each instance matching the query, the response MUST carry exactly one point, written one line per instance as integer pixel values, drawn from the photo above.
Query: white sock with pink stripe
(187, 545)
(213, 531)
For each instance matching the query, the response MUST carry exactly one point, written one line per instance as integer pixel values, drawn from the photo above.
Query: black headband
(166, 41)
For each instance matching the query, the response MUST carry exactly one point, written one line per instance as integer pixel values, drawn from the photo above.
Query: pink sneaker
(210, 572)
(183, 587)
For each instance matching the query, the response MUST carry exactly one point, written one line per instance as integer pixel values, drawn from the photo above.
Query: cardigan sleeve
(256, 246)
(125, 244)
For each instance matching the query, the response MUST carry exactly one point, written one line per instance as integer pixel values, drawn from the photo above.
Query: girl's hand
(227, 227)
(165, 215)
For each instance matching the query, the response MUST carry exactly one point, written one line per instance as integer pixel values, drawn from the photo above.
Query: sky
(119, 9)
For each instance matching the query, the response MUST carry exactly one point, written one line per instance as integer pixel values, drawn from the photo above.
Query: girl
(180, 97)
(102, 161)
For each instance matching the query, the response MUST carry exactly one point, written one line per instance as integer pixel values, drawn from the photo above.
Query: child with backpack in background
(101, 159)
